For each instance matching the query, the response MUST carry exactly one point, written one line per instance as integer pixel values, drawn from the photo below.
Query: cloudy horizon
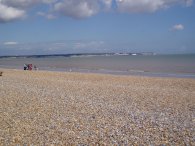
(69, 26)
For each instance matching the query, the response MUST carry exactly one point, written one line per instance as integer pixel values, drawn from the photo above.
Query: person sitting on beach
(30, 66)
(25, 67)
(35, 67)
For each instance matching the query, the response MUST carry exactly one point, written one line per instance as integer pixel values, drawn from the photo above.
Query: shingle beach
(61, 108)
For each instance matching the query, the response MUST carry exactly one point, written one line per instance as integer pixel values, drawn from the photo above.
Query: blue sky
(85, 26)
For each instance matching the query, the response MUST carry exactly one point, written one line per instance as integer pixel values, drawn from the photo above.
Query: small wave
(137, 71)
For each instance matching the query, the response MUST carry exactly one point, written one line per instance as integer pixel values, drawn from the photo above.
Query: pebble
(53, 108)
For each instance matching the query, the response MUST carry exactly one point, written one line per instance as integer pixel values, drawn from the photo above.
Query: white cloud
(77, 9)
(139, 5)
(9, 13)
(10, 43)
(17, 9)
(136, 6)
(177, 27)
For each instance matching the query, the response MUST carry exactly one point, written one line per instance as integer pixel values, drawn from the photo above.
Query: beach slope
(45, 108)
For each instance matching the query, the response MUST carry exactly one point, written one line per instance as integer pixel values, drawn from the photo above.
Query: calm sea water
(158, 65)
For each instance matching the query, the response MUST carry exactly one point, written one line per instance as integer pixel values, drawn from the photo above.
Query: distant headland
(78, 55)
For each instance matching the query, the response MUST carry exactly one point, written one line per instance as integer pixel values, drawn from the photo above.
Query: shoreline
(137, 73)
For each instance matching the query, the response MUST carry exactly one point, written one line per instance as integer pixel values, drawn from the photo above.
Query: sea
(179, 66)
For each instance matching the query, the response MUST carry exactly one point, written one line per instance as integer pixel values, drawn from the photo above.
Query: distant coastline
(77, 55)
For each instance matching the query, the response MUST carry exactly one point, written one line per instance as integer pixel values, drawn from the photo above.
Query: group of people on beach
(30, 67)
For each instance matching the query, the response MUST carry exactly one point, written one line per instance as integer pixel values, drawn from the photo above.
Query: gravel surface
(58, 108)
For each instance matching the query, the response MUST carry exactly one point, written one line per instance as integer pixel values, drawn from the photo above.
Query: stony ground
(53, 108)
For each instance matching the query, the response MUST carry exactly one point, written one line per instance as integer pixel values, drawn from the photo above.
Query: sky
(32, 27)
